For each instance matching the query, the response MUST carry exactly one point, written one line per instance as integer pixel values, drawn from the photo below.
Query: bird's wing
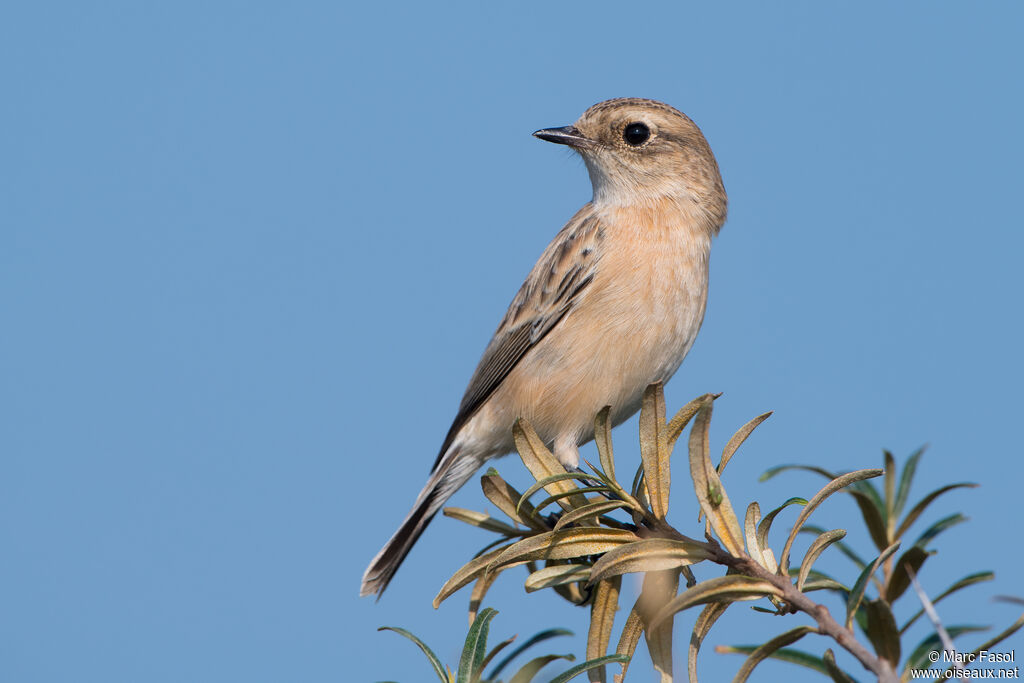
(550, 292)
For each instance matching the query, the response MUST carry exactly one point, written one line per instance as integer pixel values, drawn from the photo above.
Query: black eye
(636, 134)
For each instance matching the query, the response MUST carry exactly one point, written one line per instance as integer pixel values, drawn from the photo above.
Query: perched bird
(613, 304)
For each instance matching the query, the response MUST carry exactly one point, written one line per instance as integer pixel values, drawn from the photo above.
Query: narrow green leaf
(596, 473)
(815, 575)
(616, 489)
(899, 580)
(602, 619)
(764, 651)
(762, 610)
(550, 480)
(738, 438)
(705, 620)
(882, 631)
(576, 496)
(905, 481)
(708, 487)
(817, 547)
(968, 580)
(541, 462)
(475, 649)
(506, 498)
(805, 659)
(873, 520)
(766, 524)
(678, 423)
(476, 596)
(651, 554)
(836, 484)
(916, 511)
(754, 549)
(837, 674)
(654, 449)
(530, 670)
(557, 575)
(603, 440)
(890, 489)
(840, 545)
(639, 487)
(857, 592)
(1009, 599)
(719, 589)
(826, 584)
(658, 587)
(496, 650)
(938, 527)
(630, 636)
(589, 511)
(435, 663)
(482, 520)
(590, 664)
(533, 640)
(469, 571)
(861, 617)
(779, 469)
(869, 490)
(562, 545)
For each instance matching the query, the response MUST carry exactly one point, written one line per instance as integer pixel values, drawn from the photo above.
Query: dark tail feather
(450, 475)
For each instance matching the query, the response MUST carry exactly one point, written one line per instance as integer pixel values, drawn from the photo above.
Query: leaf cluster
(578, 532)
(476, 656)
(891, 572)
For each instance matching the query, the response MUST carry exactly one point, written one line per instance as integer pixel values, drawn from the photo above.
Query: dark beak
(567, 135)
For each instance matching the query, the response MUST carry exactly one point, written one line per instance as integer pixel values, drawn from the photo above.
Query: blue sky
(251, 253)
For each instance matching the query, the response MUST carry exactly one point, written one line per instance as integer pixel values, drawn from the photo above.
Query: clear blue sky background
(250, 255)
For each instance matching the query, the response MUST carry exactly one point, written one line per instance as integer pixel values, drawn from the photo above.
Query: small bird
(613, 304)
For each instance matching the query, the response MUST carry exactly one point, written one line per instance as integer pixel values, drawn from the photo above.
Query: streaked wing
(550, 292)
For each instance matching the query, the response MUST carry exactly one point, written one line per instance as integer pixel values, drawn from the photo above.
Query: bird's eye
(636, 134)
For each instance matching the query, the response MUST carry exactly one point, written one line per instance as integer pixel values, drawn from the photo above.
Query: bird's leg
(568, 453)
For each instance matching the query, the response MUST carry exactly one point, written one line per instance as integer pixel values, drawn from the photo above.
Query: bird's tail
(449, 475)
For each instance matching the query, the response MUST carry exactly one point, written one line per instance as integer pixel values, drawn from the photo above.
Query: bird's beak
(567, 135)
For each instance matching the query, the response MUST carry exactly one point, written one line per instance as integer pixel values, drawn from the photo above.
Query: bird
(613, 304)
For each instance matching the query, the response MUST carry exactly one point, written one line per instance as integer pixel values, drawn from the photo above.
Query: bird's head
(643, 152)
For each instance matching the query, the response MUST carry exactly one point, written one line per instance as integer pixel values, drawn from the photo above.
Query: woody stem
(798, 600)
